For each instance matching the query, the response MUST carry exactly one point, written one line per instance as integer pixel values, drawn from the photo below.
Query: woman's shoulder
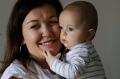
(15, 69)
(16, 64)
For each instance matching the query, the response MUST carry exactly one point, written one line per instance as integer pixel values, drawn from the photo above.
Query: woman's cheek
(57, 31)
(34, 36)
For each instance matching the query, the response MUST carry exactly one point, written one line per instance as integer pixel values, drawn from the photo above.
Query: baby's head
(78, 22)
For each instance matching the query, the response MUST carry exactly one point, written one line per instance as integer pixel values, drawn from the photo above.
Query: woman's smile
(48, 42)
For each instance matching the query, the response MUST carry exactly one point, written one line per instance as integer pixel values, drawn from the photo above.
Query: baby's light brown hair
(89, 13)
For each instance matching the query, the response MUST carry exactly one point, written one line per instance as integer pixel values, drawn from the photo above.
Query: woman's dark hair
(14, 30)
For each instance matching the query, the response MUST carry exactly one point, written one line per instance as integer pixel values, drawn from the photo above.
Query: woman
(33, 27)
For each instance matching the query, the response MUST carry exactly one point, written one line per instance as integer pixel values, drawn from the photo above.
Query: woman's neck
(42, 63)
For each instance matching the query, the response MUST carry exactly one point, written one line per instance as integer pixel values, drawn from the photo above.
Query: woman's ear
(90, 35)
(23, 41)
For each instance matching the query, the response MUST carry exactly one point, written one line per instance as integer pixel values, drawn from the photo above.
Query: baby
(78, 24)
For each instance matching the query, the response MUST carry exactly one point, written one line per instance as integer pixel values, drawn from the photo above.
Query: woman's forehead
(41, 13)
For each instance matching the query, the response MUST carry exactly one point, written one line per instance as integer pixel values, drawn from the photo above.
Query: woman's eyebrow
(37, 20)
(53, 16)
(32, 21)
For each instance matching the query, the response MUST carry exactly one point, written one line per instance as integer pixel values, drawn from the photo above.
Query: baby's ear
(90, 35)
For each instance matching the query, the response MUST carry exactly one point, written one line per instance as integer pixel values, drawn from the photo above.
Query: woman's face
(41, 31)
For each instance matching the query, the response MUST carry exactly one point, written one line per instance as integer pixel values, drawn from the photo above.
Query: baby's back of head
(87, 11)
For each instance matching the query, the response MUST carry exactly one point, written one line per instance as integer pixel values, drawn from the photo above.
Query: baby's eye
(60, 27)
(70, 29)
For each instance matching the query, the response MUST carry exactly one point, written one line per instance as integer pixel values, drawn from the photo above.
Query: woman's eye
(70, 29)
(35, 27)
(51, 23)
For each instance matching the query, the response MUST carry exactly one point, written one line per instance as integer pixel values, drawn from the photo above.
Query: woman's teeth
(47, 43)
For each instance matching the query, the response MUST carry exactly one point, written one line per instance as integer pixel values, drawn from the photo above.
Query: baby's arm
(49, 57)
(71, 70)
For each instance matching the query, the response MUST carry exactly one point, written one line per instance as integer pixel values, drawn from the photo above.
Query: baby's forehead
(86, 12)
(74, 9)
(79, 6)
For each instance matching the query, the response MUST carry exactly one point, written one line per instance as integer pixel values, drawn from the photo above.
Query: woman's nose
(46, 31)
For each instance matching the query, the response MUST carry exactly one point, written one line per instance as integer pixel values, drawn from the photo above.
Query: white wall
(5, 9)
(107, 39)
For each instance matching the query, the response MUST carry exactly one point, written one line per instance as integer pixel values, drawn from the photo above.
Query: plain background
(106, 41)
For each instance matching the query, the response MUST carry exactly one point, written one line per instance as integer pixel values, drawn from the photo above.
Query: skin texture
(41, 32)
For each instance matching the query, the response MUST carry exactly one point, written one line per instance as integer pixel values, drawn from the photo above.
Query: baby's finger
(58, 55)
(49, 53)
(45, 54)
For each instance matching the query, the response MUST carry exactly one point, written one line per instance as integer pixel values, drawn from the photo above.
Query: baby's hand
(49, 57)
